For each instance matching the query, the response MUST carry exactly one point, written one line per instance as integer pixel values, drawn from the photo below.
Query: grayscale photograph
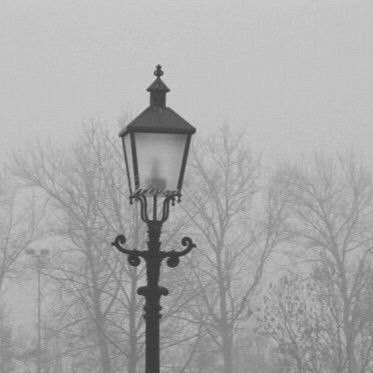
(186, 186)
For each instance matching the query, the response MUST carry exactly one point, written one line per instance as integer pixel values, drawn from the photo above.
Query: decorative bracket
(133, 255)
(173, 256)
(170, 198)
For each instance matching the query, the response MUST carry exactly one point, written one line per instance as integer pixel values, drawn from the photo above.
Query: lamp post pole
(152, 291)
(156, 145)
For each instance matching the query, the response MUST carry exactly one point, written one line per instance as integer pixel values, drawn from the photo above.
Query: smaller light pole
(40, 257)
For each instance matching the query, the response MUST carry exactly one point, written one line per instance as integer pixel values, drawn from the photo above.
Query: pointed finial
(158, 89)
(158, 71)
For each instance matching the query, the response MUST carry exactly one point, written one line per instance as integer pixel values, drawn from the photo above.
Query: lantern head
(156, 145)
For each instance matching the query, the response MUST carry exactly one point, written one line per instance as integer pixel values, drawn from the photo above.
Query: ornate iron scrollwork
(133, 260)
(173, 256)
(133, 255)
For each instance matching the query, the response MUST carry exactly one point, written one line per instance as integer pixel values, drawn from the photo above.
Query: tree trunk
(347, 327)
(227, 353)
(98, 316)
(350, 356)
(225, 330)
(101, 337)
(104, 353)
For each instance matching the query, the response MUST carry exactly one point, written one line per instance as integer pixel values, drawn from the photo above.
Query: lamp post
(156, 145)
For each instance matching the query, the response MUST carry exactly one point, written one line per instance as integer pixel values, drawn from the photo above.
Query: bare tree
(96, 304)
(87, 271)
(236, 236)
(294, 318)
(330, 203)
(19, 226)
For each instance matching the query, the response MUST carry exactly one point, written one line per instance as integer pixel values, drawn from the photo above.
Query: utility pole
(40, 257)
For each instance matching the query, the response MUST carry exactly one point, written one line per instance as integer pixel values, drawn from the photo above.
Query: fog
(292, 78)
(295, 73)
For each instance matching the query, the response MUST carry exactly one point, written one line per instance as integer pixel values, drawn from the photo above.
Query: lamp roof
(158, 118)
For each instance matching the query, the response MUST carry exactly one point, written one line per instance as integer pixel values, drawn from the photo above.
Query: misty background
(295, 75)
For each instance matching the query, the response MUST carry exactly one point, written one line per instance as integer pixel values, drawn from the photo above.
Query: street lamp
(156, 145)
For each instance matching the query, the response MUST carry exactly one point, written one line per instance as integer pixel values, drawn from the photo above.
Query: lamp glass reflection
(159, 157)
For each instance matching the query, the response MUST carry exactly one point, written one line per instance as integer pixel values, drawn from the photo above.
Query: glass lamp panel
(127, 148)
(159, 157)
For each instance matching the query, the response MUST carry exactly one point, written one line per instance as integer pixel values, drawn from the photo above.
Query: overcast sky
(296, 73)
